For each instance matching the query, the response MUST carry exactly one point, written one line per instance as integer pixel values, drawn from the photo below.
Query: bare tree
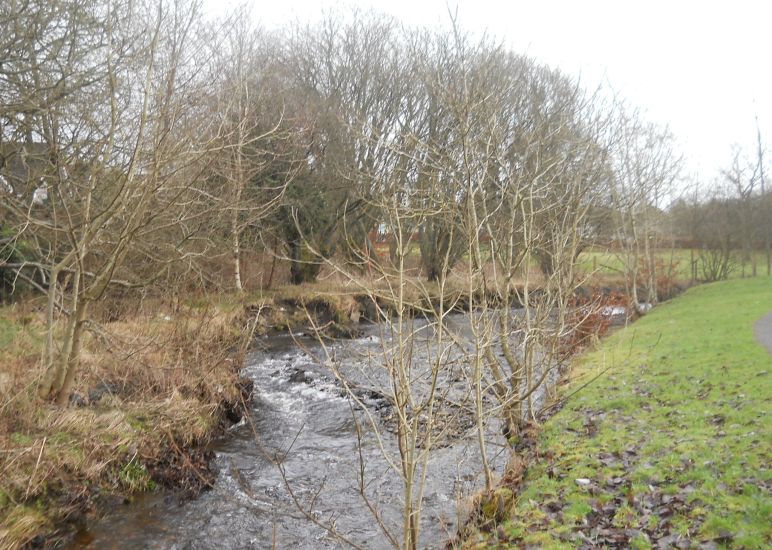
(113, 121)
(765, 199)
(346, 76)
(743, 178)
(256, 160)
(645, 169)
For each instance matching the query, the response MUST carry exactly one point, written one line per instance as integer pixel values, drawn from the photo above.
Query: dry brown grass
(20, 526)
(161, 378)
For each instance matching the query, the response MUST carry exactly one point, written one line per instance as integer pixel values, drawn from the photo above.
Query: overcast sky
(702, 67)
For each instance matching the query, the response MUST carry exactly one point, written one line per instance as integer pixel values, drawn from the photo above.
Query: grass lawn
(610, 263)
(670, 445)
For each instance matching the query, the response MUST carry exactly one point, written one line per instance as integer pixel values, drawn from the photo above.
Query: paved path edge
(763, 331)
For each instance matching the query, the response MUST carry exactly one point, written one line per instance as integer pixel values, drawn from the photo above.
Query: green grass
(7, 332)
(18, 332)
(607, 262)
(674, 437)
(611, 263)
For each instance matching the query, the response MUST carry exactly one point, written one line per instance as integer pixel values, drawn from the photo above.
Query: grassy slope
(675, 437)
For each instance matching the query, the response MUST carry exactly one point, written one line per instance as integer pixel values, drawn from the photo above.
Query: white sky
(702, 67)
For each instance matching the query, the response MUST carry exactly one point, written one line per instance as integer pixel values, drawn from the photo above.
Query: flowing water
(329, 456)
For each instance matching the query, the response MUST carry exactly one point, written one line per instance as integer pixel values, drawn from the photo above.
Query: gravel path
(763, 331)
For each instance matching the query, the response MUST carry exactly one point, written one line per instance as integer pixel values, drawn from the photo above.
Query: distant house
(22, 171)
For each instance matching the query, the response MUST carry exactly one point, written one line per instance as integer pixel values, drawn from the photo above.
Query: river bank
(665, 442)
(154, 386)
(309, 427)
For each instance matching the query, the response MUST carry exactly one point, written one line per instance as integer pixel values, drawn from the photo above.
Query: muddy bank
(338, 315)
(341, 316)
(173, 462)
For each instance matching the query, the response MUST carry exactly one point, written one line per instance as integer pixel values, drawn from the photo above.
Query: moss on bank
(669, 446)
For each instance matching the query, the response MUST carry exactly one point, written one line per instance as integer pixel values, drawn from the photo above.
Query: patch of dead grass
(160, 381)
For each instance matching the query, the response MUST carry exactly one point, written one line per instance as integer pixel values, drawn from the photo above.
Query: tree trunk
(73, 360)
(54, 379)
(273, 264)
(235, 233)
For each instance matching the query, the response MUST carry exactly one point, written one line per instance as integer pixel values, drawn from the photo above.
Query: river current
(309, 464)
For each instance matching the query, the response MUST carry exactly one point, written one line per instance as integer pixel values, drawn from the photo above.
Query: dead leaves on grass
(620, 513)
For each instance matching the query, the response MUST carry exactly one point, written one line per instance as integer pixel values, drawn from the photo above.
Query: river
(329, 453)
